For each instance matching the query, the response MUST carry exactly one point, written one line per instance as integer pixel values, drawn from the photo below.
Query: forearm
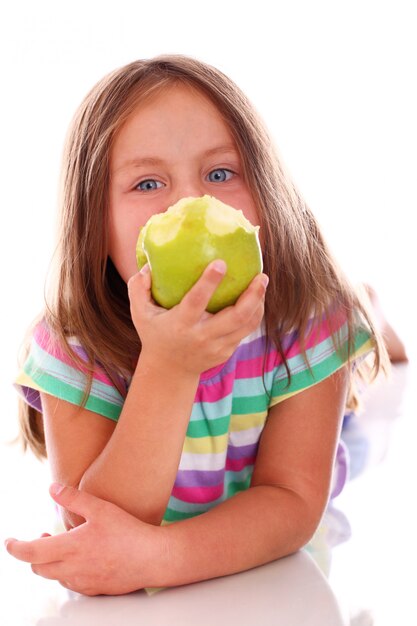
(254, 527)
(136, 470)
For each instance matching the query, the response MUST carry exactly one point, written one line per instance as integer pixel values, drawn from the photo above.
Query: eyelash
(147, 180)
(152, 180)
(222, 169)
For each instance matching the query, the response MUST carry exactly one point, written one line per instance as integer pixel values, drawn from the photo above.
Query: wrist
(169, 567)
(160, 568)
(165, 367)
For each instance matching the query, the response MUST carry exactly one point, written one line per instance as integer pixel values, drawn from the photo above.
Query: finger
(56, 570)
(248, 302)
(19, 548)
(234, 319)
(60, 571)
(43, 550)
(195, 302)
(256, 289)
(82, 503)
(230, 341)
(250, 325)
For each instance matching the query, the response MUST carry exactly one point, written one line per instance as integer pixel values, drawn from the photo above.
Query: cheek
(252, 216)
(242, 199)
(249, 210)
(122, 246)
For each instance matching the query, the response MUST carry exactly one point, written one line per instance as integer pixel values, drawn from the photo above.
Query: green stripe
(320, 371)
(66, 392)
(207, 428)
(176, 516)
(254, 404)
(236, 486)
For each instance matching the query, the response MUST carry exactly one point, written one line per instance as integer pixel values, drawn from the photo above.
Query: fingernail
(220, 266)
(55, 489)
(145, 269)
(265, 281)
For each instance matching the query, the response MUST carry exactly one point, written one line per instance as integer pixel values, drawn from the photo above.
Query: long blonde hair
(90, 299)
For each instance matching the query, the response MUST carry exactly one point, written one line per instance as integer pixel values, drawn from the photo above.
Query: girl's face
(173, 146)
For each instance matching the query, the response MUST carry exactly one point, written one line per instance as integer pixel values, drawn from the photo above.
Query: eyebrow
(150, 160)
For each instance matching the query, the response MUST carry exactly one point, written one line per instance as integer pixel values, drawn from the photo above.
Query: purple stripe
(251, 350)
(32, 397)
(240, 452)
(199, 478)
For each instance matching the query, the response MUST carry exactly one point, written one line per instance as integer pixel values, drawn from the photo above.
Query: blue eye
(220, 175)
(149, 185)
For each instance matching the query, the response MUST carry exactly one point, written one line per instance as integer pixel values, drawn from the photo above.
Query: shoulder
(327, 333)
(64, 370)
(326, 344)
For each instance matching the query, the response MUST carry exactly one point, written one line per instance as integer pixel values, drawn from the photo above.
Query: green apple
(179, 244)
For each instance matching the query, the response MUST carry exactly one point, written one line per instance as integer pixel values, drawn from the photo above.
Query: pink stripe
(237, 465)
(198, 494)
(318, 333)
(212, 371)
(254, 367)
(216, 391)
(43, 339)
(251, 368)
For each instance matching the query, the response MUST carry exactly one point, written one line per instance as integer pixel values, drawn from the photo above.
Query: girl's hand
(188, 336)
(111, 553)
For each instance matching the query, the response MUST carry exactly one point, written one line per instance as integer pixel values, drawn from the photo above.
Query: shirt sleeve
(326, 351)
(48, 368)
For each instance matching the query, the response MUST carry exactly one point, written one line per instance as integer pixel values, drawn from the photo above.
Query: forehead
(178, 114)
(173, 100)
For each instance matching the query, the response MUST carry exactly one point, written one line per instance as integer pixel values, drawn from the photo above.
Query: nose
(188, 189)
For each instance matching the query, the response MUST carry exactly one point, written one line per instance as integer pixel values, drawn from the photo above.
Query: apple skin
(177, 262)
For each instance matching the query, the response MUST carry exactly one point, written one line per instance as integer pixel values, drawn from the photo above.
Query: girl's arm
(116, 553)
(289, 491)
(134, 463)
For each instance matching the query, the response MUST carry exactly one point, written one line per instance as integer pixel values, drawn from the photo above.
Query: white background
(334, 81)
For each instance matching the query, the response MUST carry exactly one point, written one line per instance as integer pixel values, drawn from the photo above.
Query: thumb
(79, 502)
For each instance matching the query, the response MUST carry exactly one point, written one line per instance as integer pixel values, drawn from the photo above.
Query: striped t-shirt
(229, 411)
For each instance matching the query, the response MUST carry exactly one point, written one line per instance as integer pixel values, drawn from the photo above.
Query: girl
(226, 424)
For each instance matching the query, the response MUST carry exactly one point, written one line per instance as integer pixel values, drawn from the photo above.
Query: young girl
(199, 445)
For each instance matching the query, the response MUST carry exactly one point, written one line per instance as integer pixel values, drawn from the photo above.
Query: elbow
(71, 520)
(307, 531)
(311, 506)
(300, 535)
(309, 518)
(303, 520)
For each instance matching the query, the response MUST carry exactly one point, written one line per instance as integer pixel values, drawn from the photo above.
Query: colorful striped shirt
(229, 410)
